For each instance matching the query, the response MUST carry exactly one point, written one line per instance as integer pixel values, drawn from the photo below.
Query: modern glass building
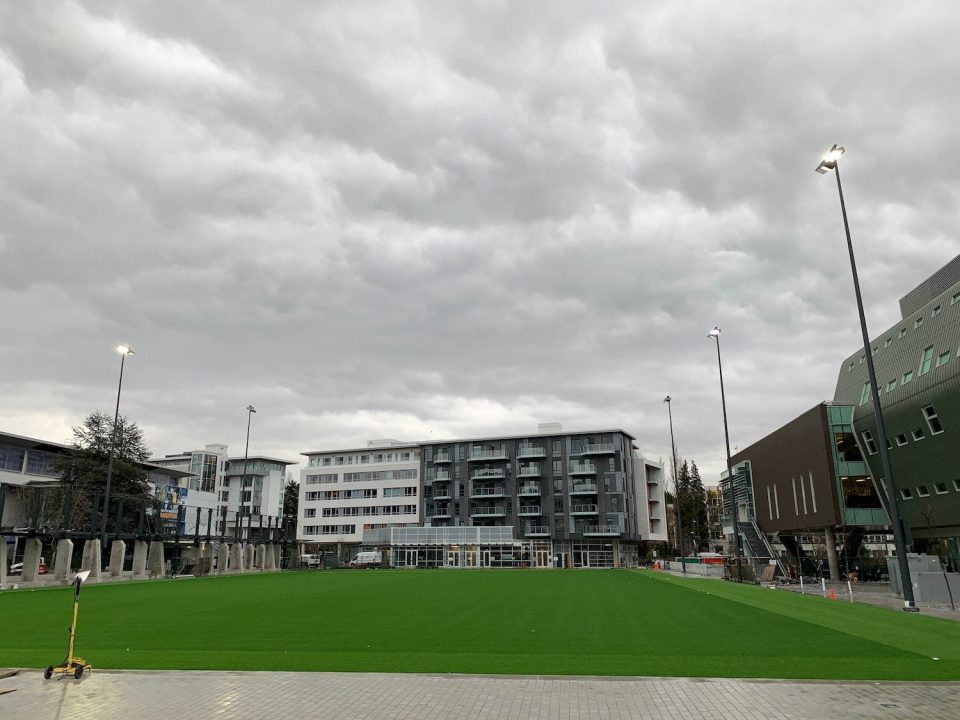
(917, 363)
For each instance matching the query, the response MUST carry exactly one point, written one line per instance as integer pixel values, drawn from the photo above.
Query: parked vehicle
(311, 561)
(17, 568)
(367, 559)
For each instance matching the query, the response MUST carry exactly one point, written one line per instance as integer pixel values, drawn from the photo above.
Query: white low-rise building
(344, 492)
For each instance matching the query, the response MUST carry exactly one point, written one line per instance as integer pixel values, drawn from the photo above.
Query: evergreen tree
(291, 499)
(681, 503)
(84, 468)
(698, 505)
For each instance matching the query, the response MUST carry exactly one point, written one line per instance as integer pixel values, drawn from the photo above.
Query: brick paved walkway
(354, 696)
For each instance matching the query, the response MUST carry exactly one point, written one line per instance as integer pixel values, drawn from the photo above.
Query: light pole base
(909, 606)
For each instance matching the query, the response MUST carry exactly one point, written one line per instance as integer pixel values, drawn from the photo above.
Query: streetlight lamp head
(715, 333)
(251, 408)
(830, 158)
(125, 349)
(667, 399)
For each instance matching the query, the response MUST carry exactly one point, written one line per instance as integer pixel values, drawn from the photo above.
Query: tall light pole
(676, 486)
(715, 334)
(831, 161)
(243, 480)
(124, 350)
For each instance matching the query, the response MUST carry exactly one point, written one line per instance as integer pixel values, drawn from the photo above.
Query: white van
(367, 559)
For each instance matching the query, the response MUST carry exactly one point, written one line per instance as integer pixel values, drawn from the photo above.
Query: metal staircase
(756, 545)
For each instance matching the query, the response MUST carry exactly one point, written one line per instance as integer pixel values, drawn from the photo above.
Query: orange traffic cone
(832, 595)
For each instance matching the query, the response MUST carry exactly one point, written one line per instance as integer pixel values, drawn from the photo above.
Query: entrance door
(470, 558)
(411, 558)
(453, 558)
(484, 558)
(542, 558)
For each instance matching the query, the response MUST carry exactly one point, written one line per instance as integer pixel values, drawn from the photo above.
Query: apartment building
(583, 499)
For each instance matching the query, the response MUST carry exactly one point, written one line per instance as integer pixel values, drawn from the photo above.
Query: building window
(918, 323)
(933, 422)
(936, 311)
(903, 331)
(861, 360)
(907, 377)
(926, 360)
(941, 488)
(875, 348)
(956, 485)
(918, 434)
(310, 512)
(849, 367)
(869, 442)
(955, 299)
(865, 393)
(943, 358)
(886, 343)
(902, 439)
(906, 493)
(892, 385)
(922, 491)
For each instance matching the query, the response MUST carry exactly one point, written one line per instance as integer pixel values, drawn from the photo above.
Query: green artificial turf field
(609, 622)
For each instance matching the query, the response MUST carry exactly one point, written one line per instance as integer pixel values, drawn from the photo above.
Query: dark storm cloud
(417, 220)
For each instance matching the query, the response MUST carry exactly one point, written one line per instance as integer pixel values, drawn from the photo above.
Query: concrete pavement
(357, 696)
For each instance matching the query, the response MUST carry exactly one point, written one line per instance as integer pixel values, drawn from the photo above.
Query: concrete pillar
(616, 553)
(156, 564)
(268, 557)
(261, 557)
(236, 557)
(31, 559)
(223, 558)
(91, 559)
(117, 552)
(3, 562)
(139, 558)
(248, 553)
(61, 566)
(831, 542)
(295, 557)
(203, 561)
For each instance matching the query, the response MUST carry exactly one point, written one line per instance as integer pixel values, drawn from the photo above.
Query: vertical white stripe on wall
(796, 508)
(776, 502)
(803, 494)
(813, 493)
(769, 504)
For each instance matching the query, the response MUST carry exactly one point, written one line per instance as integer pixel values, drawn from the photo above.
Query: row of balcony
(523, 511)
(441, 492)
(523, 451)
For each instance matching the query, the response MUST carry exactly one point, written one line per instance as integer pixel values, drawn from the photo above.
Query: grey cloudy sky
(426, 220)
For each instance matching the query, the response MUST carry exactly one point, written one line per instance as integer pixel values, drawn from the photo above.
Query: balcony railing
(441, 495)
(602, 530)
(536, 531)
(583, 489)
(531, 451)
(487, 454)
(488, 512)
(598, 449)
(487, 473)
(528, 490)
(583, 468)
(583, 509)
(441, 457)
(482, 492)
(529, 471)
(441, 512)
(530, 511)
(441, 476)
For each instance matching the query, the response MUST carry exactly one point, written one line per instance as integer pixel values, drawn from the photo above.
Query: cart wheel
(78, 673)
(48, 673)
